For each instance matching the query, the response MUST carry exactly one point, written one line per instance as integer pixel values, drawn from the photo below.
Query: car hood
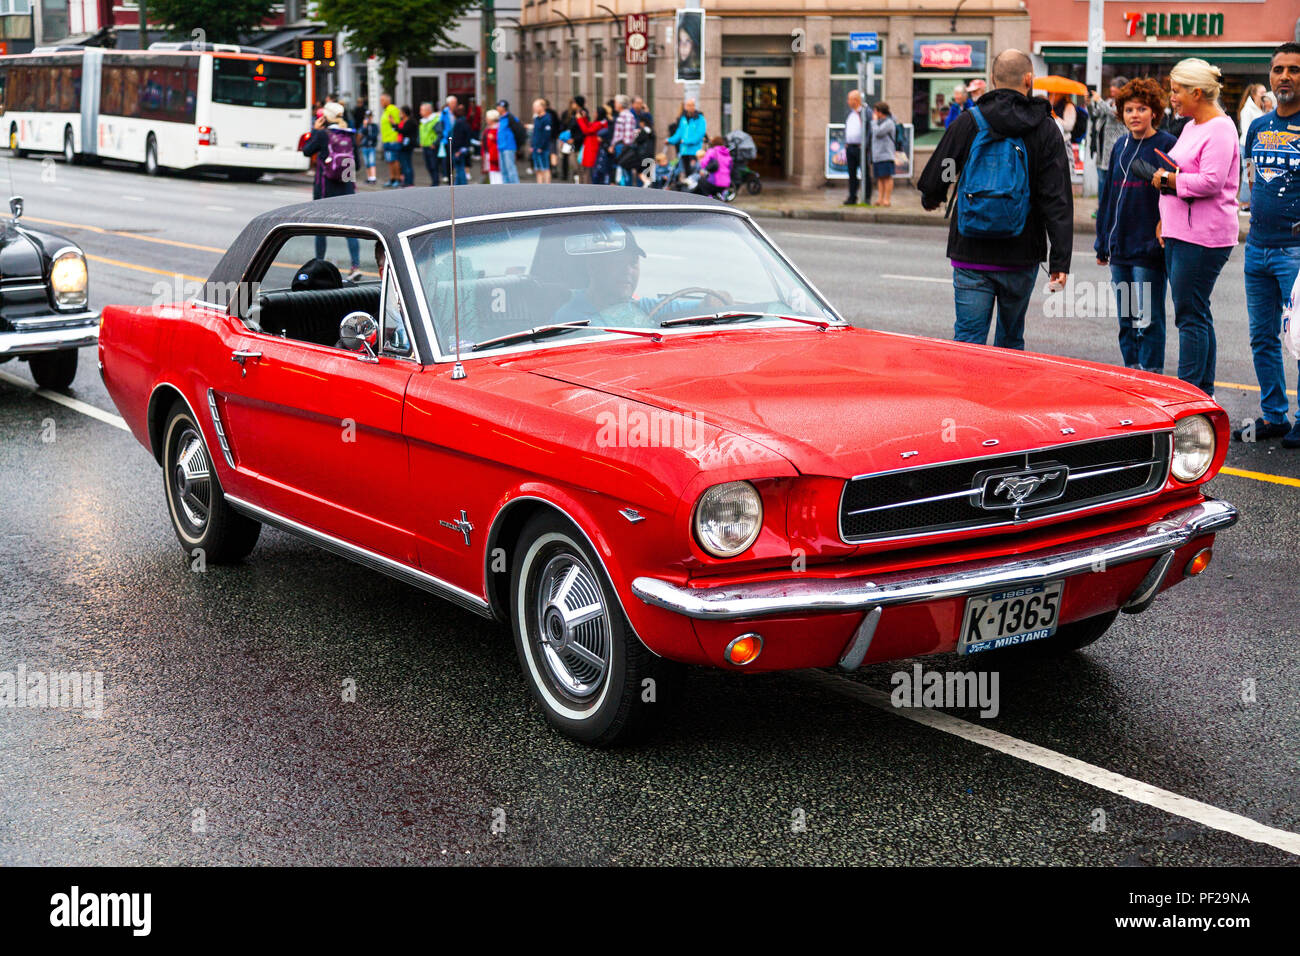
(849, 402)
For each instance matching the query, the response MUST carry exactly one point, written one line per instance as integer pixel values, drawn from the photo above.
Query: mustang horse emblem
(1020, 487)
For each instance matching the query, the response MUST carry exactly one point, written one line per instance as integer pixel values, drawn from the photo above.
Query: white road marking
(830, 236)
(220, 208)
(894, 275)
(108, 418)
(1127, 787)
(1118, 784)
(133, 198)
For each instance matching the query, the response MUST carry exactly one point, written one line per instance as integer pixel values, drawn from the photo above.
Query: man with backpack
(333, 143)
(1005, 164)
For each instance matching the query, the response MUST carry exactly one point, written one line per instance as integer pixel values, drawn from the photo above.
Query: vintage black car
(44, 299)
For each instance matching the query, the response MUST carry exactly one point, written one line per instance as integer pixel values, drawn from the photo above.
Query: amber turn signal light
(1200, 561)
(744, 649)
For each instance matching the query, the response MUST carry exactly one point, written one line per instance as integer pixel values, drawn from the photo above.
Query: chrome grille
(933, 498)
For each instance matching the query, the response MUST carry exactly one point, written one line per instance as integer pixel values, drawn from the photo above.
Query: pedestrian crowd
(615, 144)
(1174, 171)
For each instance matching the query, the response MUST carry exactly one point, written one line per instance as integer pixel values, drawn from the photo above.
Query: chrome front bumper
(810, 595)
(31, 341)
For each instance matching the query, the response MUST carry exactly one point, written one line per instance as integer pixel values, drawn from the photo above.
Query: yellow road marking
(130, 265)
(1249, 388)
(1261, 476)
(125, 235)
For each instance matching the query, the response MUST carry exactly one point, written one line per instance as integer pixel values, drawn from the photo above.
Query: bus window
(131, 90)
(250, 82)
(110, 98)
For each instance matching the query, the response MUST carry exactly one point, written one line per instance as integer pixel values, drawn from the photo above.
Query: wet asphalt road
(223, 687)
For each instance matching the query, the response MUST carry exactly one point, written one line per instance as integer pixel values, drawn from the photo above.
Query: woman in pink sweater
(1198, 213)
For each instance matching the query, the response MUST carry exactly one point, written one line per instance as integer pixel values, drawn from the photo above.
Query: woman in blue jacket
(689, 135)
(1127, 215)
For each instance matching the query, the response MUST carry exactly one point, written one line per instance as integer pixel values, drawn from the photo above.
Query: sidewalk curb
(872, 216)
(1085, 226)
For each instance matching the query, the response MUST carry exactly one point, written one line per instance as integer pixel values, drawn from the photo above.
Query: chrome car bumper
(810, 595)
(26, 341)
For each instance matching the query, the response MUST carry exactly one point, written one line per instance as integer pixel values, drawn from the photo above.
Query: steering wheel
(722, 298)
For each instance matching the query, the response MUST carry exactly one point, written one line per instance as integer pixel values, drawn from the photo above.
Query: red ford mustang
(623, 422)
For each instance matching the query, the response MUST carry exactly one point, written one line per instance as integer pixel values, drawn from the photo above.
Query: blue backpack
(993, 191)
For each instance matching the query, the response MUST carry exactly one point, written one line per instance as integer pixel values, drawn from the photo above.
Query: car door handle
(242, 356)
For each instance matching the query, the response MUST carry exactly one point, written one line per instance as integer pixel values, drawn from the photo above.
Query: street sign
(864, 42)
(636, 49)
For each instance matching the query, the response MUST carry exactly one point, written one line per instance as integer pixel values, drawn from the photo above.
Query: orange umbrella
(1060, 84)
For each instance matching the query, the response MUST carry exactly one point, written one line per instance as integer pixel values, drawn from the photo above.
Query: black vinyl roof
(393, 211)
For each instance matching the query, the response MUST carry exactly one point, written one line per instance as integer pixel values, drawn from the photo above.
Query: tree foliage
(394, 29)
(222, 21)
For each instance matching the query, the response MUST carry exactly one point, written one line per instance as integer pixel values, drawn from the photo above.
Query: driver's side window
(396, 336)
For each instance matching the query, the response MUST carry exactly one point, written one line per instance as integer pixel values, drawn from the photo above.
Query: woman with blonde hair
(1198, 181)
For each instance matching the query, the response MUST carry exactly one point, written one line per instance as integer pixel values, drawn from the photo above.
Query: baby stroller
(741, 146)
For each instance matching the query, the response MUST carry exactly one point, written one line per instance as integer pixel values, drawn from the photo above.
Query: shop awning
(1254, 54)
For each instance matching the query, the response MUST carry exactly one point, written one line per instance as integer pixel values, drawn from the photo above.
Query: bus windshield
(237, 81)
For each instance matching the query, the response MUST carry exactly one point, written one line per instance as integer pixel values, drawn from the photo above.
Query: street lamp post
(144, 24)
(1092, 76)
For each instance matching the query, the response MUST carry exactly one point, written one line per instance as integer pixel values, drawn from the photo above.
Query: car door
(318, 430)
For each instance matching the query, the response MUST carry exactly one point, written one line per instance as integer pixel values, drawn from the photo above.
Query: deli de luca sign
(1174, 24)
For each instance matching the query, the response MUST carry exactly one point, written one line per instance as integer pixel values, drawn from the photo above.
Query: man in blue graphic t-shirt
(1272, 250)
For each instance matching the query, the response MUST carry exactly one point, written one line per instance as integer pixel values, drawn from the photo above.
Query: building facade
(779, 69)
(1147, 37)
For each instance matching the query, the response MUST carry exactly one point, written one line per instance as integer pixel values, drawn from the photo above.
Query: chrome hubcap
(192, 479)
(572, 628)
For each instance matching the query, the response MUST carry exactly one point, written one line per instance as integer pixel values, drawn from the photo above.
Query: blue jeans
(404, 163)
(509, 171)
(431, 162)
(458, 168)
(1140, 305)
(975, 291)
(1270, 275)
(1192, 272)
(354, 249)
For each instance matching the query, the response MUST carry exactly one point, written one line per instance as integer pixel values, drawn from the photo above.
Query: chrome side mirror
(360, 332)
(16, 206)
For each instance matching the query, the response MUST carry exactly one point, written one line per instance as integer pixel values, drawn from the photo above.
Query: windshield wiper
(712, 318)
(539, 332)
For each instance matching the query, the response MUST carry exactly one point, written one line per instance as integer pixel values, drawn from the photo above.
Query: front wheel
(69, 148)
(54, 370)
(592, 676)
(201, 518)
(754, 185)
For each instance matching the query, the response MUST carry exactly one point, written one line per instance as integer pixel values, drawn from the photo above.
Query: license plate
(1010, 617)
(258, 145)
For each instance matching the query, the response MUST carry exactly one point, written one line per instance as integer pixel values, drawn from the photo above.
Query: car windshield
(603, 269)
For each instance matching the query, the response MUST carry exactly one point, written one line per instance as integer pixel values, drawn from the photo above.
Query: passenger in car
(317, 274)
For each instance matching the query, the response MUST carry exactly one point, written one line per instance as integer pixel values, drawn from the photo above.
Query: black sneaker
(1264, 430)
(1292, 439)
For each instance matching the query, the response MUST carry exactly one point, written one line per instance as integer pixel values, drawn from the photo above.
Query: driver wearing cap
(609, 297)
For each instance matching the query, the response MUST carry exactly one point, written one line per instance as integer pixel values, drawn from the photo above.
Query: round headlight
(68, 279)
(728, 518)
(1193, 447)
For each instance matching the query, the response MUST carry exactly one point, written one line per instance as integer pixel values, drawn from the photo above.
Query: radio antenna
(457, 370)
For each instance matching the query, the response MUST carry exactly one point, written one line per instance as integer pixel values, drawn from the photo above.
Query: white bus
(219, 108)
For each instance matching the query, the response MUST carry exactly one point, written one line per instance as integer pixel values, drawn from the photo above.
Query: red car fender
(624, 553)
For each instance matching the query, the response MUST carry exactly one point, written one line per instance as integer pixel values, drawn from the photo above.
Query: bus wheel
(13, 141)
(151, 166)
(69, 151)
